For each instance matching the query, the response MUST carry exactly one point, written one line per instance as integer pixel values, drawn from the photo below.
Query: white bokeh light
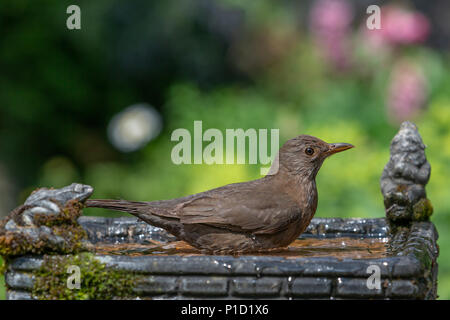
(134, 127)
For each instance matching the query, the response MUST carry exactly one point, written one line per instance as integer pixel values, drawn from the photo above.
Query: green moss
(68, 215)
(64, 225)
(422, 210)
(2, 280)
(96, 281)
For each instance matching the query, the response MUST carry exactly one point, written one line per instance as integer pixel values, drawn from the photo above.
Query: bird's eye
(309, 151)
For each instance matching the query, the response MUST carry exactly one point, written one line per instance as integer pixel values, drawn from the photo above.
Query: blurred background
(98, 105)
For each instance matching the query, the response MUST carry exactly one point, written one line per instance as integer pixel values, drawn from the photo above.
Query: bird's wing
(246, 211)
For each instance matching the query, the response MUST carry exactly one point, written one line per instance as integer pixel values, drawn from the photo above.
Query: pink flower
(331, 16)
(330, 22)
(401, 26)
(407, 91)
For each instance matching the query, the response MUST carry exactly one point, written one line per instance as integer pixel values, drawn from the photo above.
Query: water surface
(344, 247)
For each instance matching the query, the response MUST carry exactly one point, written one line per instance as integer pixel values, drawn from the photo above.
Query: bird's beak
(338, 147)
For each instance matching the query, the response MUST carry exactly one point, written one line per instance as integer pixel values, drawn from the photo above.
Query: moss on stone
(422, 210)
(15, 244)
(68, 215)
(96, 281)
(60, 239)
(64, 225)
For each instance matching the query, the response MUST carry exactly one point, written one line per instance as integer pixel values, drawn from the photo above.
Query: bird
(254, 216)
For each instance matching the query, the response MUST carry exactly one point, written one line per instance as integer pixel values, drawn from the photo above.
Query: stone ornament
(47, 221)
(404, 178)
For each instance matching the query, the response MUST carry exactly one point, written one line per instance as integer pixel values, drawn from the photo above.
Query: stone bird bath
(51, 252)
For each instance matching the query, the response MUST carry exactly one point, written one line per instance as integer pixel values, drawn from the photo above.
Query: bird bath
(333, 262)
(124, 258)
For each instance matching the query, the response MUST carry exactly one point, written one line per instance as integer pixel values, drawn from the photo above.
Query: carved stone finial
(405, 176)
(46, 222)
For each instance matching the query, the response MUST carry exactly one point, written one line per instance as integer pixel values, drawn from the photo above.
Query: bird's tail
(133, 207)
(142, 210)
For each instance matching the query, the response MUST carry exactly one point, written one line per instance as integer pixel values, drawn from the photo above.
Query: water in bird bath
(342, 247)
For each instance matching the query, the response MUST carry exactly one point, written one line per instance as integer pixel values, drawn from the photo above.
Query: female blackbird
(257, 215)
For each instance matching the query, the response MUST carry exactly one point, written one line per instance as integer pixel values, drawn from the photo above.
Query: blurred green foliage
(258, 68)
(2, 283)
